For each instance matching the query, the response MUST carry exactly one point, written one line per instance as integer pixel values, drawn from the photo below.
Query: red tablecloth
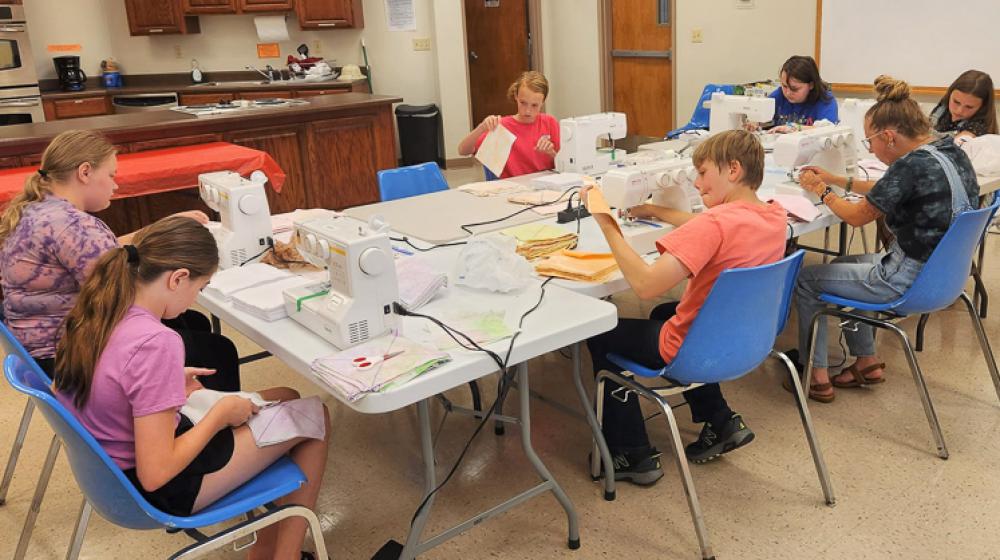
(168, 169)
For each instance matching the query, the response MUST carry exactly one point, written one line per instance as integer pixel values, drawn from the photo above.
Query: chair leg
(925, 397)
(597, 454)
(36, 501)
(984, 342)
(80, 531)
(241, 530)
(601, 446)
(682, 465)
(920, 331)
(864, 239)
(826, 245)
(807, 425)
(15, 451)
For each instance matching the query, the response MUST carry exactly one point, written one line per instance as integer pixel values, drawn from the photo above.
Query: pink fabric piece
(798, 206)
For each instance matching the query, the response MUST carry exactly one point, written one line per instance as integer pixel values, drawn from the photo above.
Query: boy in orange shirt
(737, 231)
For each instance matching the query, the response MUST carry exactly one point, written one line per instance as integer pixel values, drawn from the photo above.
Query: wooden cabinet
(284, 144)
(76, 107)
(8, 162)
(326, 14)
(209, 6)
(266, 5)
(205, 98)
(159, 143)
(315, 92)
(159, 17)
(266, 94)
(340, 154)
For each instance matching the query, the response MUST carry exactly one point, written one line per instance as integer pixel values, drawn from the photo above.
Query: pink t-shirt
(523, 157)
(140, 372)
(731, 235)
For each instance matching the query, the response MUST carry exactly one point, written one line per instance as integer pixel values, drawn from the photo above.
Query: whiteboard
(925, 42)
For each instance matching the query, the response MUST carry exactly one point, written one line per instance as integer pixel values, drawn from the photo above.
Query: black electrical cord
(270, 247)
(406, 240)
(465, 227)
(502, 384)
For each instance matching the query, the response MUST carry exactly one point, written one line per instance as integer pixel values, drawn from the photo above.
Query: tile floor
(896, 499)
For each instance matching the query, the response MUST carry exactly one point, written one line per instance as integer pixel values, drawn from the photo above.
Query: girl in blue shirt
(803, 97)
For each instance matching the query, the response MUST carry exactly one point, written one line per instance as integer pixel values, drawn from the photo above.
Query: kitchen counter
(330, 150)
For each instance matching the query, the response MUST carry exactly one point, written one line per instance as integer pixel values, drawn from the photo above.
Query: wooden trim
(535, 31)
(606, 67)
(819, 30)
(917, 90)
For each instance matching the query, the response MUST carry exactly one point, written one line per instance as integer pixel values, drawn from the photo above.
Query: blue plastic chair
(699, 119)
(404, 182)
(12, 347)
(733, 333)
(107, 490)
(940, 282)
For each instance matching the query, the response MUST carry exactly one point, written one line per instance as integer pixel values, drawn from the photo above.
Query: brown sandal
(859, 377)
(817, 391)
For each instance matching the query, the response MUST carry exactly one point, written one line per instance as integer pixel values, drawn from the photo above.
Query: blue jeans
(872, 278)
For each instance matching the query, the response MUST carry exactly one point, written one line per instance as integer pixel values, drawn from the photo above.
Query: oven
(20, 106)
(17, 66)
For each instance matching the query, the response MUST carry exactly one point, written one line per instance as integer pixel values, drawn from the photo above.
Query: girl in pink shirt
(121, 372)
(537, 133)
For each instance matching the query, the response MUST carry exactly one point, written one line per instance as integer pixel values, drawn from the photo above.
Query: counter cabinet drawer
(82, 107)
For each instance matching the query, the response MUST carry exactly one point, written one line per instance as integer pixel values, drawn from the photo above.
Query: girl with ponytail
(915, 197)
(50, 241)
(121, 372)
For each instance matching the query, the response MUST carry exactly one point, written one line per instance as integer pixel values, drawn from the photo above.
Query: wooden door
(284, 144)
(641, 66)
(496, 35)
(316, 14)
(265, 5)
(209, 6)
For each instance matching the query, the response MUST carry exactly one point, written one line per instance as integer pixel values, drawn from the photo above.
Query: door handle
(473, 56)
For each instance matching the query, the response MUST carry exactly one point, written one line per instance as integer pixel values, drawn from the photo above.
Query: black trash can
(420, 136)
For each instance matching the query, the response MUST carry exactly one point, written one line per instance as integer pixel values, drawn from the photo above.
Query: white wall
(61, 22)
(740, 45)
(571, 56)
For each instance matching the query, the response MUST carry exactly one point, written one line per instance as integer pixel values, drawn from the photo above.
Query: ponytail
(169, 244)
(63, 156)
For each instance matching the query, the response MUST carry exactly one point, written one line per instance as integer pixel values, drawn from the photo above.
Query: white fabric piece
(491, 262)
(984, 152)
(288, 420)
(227, 282)
(201, 401)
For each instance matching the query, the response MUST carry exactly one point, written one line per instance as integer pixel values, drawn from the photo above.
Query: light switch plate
(697, 35)
(746, 4)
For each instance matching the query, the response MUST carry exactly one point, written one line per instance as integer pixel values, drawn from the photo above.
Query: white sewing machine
(356, 304)
(668, 182)
(732, 112)
(831, 147)
(579, 135)
(246, 216)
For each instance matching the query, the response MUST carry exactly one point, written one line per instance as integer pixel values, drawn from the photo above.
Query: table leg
(412, 547)
(595, 427)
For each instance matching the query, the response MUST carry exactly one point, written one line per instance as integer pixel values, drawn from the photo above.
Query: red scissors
(363, 363)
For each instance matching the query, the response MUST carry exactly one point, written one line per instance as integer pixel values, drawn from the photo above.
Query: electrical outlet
(697, 35)
(178, 53)
(744, 3)
(422, 44)
(317, 47)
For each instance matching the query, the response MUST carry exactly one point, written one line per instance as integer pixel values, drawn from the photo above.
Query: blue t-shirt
(803, 113)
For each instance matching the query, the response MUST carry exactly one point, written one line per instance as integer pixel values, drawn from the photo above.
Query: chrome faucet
(269, 74)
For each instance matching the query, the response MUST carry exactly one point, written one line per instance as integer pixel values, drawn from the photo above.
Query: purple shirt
(140, 372)
(43, 263)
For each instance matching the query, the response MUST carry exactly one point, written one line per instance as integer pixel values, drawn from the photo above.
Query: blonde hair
(734, 145)
(63, 156)
(533, 80)
(894, 108)
(169, 244)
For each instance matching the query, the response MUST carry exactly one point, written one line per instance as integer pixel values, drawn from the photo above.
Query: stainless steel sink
(234, 83)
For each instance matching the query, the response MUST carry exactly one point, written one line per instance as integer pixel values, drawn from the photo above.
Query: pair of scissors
(363, 363)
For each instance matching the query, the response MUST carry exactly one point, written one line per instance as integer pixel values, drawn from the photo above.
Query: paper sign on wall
(64, 48)
(268, 50)
(399, 15)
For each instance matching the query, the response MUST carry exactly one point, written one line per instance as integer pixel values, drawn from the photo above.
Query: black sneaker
(711, 443)
(639, 466)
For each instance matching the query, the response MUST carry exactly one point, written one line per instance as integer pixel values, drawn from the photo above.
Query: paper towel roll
(271, 29)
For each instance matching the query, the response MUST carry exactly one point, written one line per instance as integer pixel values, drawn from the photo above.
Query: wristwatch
(822, 197)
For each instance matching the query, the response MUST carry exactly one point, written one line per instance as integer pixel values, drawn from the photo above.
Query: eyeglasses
(867, 142)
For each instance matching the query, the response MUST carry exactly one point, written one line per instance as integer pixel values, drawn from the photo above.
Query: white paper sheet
(495, 149)
(271, 29)
(399, 15)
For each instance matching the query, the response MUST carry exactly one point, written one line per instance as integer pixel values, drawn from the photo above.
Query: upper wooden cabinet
(266, 5)
(209, 6)
(159, 17)
(326, 14)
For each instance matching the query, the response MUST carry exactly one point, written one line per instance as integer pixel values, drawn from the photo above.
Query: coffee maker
(71, 76)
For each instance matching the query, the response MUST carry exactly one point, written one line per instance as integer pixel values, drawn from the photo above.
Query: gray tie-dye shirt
(915, 197)
(43, 263)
